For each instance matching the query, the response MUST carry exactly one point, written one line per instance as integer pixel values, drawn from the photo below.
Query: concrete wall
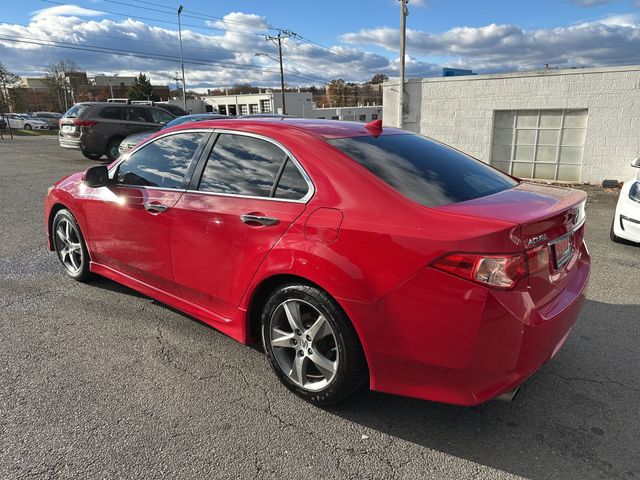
(459, 111)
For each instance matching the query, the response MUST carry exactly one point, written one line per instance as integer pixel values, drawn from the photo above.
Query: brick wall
(459, 111)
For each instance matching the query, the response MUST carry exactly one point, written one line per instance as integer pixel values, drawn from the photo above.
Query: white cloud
(213, 58)
(610, 41)
(590, 3)
(65, 10)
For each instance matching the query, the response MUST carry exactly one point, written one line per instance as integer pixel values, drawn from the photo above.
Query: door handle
(258, 219)
(155, 207)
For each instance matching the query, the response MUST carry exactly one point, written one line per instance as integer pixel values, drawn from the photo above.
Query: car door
(129, 220)
(245, 194)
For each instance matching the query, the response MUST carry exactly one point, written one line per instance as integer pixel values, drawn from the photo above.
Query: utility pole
(184, 84)
(282, 34)
(404, 11)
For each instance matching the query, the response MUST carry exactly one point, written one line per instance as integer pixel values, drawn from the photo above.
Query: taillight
(83, 123)
(538, 259)
(498, 271)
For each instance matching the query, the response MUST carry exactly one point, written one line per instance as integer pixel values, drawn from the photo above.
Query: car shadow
(575, 418)
(572, 419)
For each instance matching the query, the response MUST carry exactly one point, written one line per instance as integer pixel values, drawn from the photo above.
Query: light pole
(111, 86)
(404, 11)
(184, 84)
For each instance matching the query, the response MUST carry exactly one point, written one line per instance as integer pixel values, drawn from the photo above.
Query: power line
(268, 27)
(144, 55)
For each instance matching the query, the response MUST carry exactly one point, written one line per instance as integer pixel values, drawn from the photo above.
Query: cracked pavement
(97, 381)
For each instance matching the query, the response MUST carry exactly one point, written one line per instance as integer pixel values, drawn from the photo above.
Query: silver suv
(98, 128)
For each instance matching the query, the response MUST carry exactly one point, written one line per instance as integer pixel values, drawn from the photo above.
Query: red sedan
(357, 254)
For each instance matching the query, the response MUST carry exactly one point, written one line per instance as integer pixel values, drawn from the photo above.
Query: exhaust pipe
(508, 396)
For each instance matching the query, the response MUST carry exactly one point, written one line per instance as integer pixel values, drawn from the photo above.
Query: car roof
(326, 129)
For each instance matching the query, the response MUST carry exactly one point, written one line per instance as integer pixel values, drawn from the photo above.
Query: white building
(577, 125)
(298, 104)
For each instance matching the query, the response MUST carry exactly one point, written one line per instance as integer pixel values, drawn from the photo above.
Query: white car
(25, 122)
(626, 220)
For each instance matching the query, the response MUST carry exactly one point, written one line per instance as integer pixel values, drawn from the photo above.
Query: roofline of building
(551, 72)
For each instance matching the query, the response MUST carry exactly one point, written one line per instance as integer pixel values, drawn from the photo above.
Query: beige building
(577, 125)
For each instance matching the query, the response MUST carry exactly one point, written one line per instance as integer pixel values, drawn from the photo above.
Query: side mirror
(97, 176)
(636, 163)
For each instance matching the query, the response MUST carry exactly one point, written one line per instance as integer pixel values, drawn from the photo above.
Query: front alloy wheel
(312, 345)
(69, 245)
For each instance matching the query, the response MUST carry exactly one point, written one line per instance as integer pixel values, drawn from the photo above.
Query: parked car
(98, 128)
(357, 254)
(21, 121)
(50, 118)
(132, 140)
(626, 219)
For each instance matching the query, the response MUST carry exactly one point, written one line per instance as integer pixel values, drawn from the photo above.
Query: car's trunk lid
(551, 220)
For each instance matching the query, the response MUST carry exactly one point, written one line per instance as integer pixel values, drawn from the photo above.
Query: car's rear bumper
(462, 343)
(69, 142)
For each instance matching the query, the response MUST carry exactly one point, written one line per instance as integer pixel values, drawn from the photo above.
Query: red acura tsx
(356, 254)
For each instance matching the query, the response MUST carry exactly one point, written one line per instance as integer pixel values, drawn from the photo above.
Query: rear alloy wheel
(311, 345)
(69, 245)
(92, 156)
(27, 127)
(113, 147)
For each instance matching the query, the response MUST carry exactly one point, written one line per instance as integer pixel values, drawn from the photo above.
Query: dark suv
(98, 128)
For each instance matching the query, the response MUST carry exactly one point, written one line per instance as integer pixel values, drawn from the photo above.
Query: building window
(363, 118)
(265, 106)
(539, 144)
(244, 110)
(335, 118)
(374, 116)
(222, 109)
(253, 108)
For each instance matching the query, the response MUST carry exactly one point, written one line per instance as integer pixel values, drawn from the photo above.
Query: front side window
(425, 171)
(163, 163)
(242, 165)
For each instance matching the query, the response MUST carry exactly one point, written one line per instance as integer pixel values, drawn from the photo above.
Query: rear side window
(292, 185)
(134, 114)
(425, 171)
(242, 165)
(111, 113)
(163, 163)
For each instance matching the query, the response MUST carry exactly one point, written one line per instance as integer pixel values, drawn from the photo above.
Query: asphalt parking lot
(97, 381)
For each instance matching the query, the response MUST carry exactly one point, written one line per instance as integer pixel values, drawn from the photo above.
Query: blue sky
(362, 37)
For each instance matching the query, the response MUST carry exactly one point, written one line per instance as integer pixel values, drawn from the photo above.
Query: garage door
(539, 144)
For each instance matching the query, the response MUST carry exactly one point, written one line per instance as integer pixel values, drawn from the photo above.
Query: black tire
(112, 148)
(79, 256)
(27, 127)
(349, 375)
(92, 156)
(612, 235)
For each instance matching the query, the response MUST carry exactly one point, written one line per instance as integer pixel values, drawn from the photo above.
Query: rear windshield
(427, 172)
(75, 111)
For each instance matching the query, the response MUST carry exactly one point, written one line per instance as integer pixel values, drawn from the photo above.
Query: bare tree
(57, 78)
(8, 81)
